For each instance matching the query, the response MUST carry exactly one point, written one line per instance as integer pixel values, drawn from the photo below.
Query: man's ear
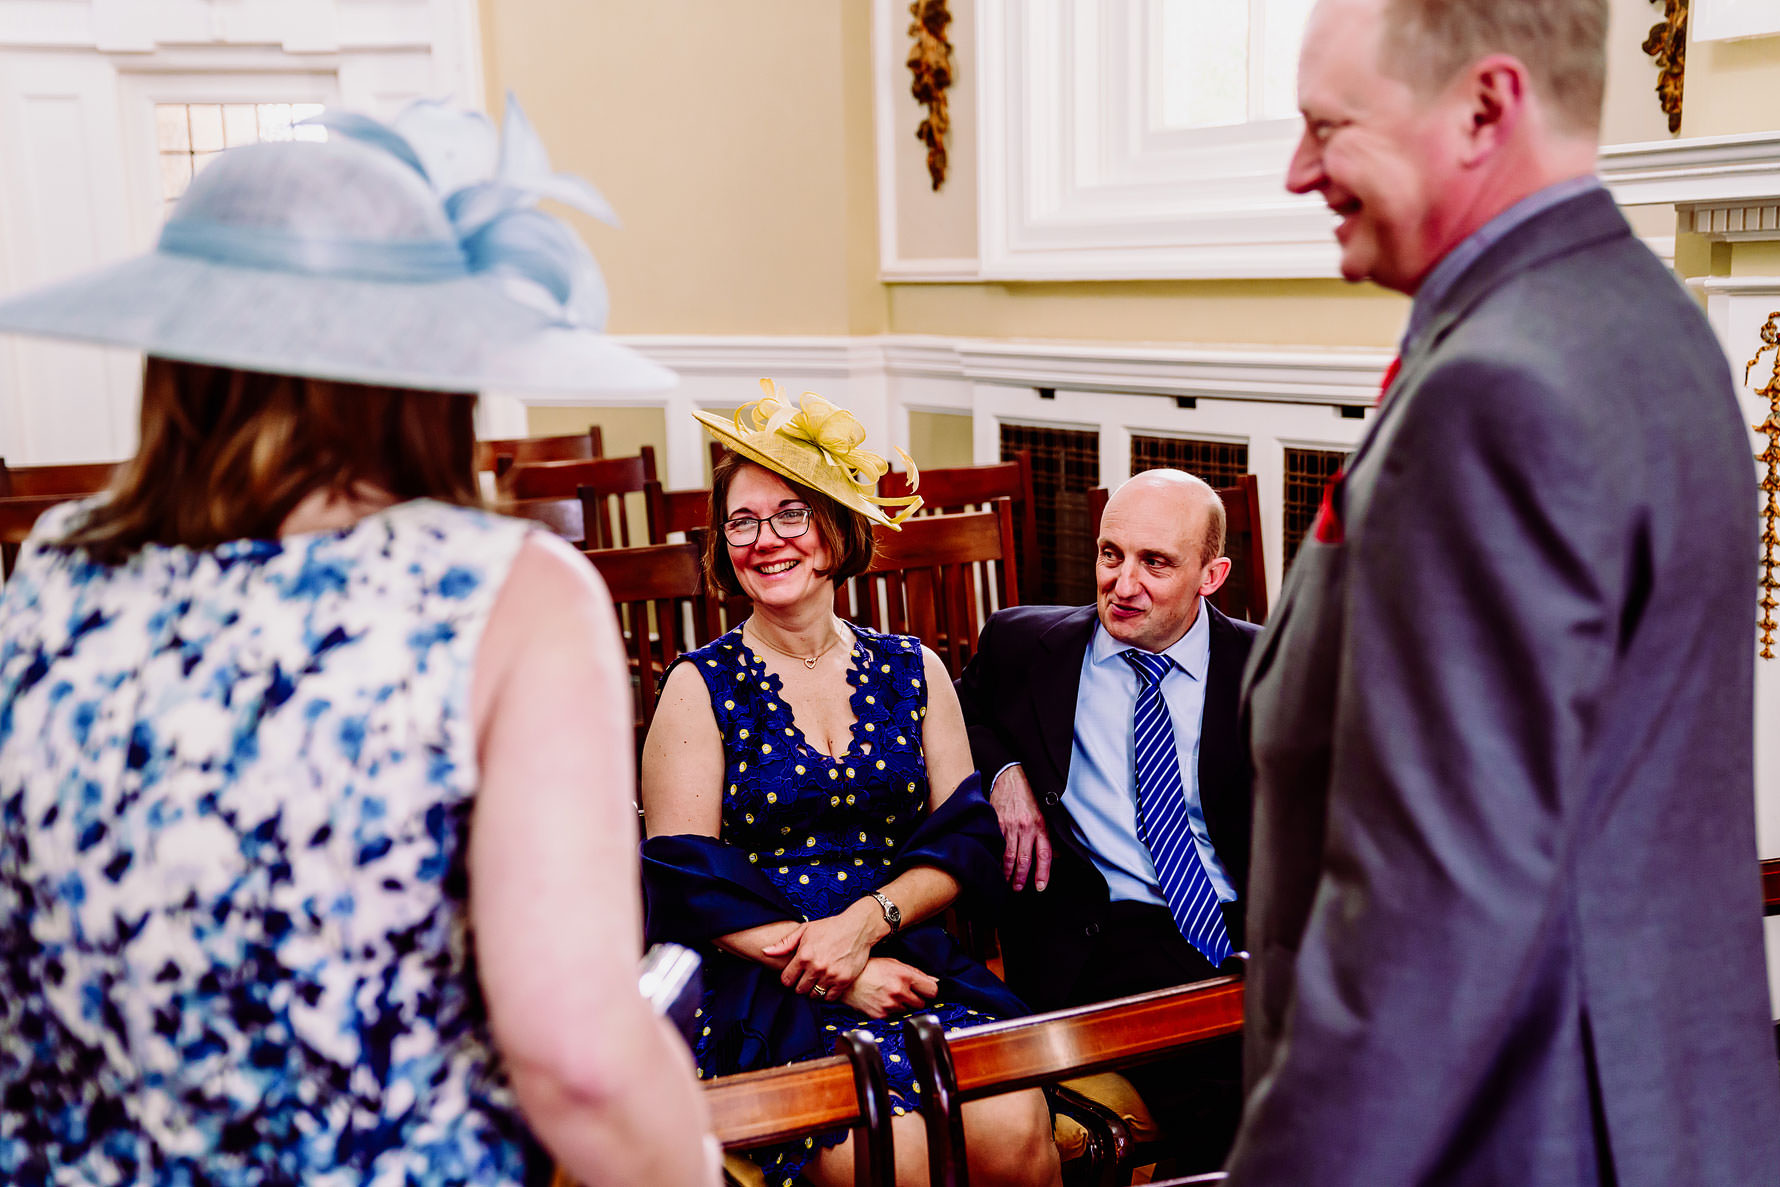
(1495, 92)
(1214, 576)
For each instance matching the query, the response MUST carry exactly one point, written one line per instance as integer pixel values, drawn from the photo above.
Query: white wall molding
(1702, 169)
(1332, 376)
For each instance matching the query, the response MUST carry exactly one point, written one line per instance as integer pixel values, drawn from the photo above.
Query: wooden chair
(844, 1091)
(782, 1104)
(968, 488)
(69, 481)
(937, 579)
(1770, 886)
(564, 517)
(1047, 1048)
(658, 591)
(670, 511)
(18, 515)
(1244, 593)
(501, 454)
(600, 484)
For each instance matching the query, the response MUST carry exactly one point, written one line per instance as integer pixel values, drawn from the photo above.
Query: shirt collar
(1458, 261)
(1191, 652)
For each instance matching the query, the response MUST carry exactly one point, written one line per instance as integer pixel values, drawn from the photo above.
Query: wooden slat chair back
(937, 579)
(18, 515)
(1047, 1048)
(69, 481)
(1244, 592)
(658, 591)
(500, 454)
(781, 1104)
(564, 517)
(671, 511)
(949, 490)
(600, 483)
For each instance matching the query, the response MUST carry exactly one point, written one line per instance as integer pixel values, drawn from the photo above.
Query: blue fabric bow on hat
(490, 188)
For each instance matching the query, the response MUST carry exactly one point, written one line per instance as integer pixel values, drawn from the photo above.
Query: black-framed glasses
(788, 524)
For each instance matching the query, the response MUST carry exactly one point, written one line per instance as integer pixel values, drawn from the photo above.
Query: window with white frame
(1143, 138)
(187, 135)
(1229, 61)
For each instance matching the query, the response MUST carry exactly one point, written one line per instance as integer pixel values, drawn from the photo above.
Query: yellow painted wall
(938, 439)
(734, 140)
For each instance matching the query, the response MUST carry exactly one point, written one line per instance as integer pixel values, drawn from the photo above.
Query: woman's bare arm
(605, 1084)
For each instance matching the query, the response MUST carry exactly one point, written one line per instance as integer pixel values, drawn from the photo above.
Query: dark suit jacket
(1504, 910)
(1018, 694)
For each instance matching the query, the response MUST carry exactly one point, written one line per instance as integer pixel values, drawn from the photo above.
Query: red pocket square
(1328, 528)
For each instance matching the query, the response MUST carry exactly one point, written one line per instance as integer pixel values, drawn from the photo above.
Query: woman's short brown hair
(227, 454)
(846, 534)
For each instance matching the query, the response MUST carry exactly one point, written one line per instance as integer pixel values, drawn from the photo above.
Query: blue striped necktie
(1162, 814)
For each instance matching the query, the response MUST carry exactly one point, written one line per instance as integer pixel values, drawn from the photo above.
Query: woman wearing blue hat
(304, 757)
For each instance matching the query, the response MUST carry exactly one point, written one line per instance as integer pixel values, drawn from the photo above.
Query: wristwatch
(892, 912)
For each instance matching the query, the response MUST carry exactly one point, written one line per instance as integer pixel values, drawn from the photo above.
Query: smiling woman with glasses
(812, 804)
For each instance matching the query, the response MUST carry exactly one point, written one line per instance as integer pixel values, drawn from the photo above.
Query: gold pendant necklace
(808, 661)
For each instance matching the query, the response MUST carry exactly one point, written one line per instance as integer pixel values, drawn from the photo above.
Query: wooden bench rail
(780, 1103)
(1025, 1052)
(844, 1091)
(1770, 886)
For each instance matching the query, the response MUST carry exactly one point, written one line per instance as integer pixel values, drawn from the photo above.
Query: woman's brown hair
(227, 455)
(846, 534)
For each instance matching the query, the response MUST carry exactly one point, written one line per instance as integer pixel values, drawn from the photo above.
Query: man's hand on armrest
(1028, 843)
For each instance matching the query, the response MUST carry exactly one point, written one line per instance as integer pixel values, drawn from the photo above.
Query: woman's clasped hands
(830, 959)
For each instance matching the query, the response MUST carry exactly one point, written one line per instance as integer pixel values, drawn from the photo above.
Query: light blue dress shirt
(1101, 796)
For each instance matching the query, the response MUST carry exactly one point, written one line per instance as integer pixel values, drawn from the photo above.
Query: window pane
(176, 174)
(1282, 33)
(1204, 63)
(207, 127)
(172, 134)
(239, 124)
(300, 131)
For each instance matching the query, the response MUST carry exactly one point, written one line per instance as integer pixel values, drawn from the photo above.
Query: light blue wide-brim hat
(386, 255)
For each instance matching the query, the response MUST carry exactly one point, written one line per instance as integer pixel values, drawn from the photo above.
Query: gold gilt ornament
(930, 60)
(1770, 483)
(1667, 43)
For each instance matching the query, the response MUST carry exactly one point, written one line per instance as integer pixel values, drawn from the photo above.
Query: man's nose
(1305, 173)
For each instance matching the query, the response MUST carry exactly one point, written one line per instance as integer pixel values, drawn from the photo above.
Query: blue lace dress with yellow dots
(804, 836)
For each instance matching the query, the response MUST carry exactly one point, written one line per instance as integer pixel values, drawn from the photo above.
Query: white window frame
(1725, 20)
(1077, 185)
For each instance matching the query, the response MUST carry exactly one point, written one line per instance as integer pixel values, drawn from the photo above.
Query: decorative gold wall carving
(1667, 43)
(1770, 483)
(930, 61)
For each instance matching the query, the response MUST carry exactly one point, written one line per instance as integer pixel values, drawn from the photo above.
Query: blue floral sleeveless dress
(235, 785)
(823, 830)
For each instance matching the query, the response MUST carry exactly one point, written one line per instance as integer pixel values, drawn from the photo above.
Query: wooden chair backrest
(935, 580)
(1770, 886)
(1244, 593)
(564, 517)
(83, 478)
(600, 484)
(18, 515)
(672, 511)
(658, 591)
(1021, 1052)
(500, 453)
(949, 490)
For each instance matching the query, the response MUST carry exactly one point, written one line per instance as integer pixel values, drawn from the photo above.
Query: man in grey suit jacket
(1504, 910)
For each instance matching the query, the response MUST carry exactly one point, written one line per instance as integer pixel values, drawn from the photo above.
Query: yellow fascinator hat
(816, 445)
